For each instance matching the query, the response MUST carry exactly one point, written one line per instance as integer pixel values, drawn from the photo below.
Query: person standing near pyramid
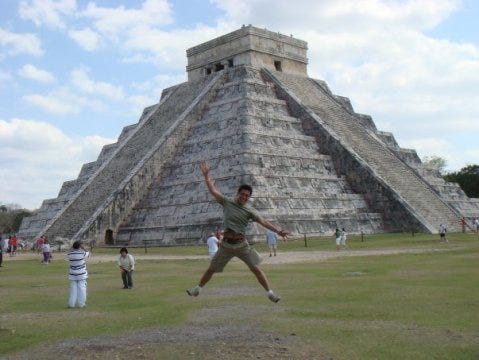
(236, 218)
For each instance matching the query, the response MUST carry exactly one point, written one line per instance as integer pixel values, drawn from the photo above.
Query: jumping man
(236, 217)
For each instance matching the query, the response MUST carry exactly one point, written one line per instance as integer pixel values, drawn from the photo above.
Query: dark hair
(76, 245)
(247, 188)
(123, 249)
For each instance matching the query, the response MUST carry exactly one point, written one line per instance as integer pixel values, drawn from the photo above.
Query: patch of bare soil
(282, 258)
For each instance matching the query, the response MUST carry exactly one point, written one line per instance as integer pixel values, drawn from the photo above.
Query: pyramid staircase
(118, 182)
(247, 135)
(332, 122)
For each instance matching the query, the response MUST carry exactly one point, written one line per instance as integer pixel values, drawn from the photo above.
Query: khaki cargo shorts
(227, 251)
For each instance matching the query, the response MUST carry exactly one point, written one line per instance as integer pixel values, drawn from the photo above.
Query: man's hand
(283, 233)
(205, 169)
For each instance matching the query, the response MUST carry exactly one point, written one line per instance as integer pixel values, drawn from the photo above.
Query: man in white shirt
(212, 243)
(77, 275)
(126, 262)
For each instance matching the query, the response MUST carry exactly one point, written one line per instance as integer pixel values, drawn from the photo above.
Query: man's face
(243, 196)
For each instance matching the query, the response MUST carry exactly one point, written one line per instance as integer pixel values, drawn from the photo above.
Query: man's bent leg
(206, 277)
(195, 291)
(261, 277)
(264, 282)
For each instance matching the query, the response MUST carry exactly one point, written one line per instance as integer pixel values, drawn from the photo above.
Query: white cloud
(326, 15)
(36, 155)
(32, 72)
(157, 83)
(47, 12)
(62, 101)
(81, 80)
(140, 102)
(14, 44)
(50, 104)
(4, 78)
(86, 38)
(139, 33)
(111, 22)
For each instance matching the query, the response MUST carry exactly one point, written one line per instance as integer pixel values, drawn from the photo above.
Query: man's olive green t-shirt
(236, 216)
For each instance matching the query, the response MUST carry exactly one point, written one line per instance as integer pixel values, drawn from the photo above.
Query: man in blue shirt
(271, 240)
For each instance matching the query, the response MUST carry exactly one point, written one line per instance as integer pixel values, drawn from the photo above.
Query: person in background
(337, 235)
(272, 241)
(46, 252)
(442, 233)
(463, 225)
(39, 241)
(126, 262)
(77, 275)
(344, 236)
(476, 224)
(13, 243)
(212, 243)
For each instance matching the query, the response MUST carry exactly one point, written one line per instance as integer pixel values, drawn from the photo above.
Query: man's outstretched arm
(205, 169)
(273, 228)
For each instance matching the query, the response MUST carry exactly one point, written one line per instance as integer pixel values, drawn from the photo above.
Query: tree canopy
(11, 217)
(467, 178)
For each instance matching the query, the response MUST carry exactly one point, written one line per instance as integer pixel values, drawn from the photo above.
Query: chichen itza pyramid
(251, 111)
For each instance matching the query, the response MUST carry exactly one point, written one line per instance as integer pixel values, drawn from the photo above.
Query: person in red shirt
(13, 245)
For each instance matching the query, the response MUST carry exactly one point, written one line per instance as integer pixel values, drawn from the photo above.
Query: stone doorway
(109, 237)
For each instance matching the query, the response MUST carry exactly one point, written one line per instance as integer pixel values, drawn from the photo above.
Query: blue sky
(74, 73)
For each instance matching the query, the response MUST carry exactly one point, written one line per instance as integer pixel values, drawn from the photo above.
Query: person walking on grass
(78, 275)
(126, 262)
(46, 252)
(337, 235)
(442, 233)
(236, 216)
(344, 236)
(212, 244)
(272, 241)
(13, 243)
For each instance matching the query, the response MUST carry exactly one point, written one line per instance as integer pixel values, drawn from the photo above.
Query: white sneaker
(194, 291)
(274, 298)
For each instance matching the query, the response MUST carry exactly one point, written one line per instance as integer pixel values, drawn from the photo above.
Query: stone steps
(106, 180)
(384, 163)
(249, 138)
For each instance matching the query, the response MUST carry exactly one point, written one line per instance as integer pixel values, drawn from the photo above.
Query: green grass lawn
(402, 306)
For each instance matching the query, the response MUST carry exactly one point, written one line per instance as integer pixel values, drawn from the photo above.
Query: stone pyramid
(250, 110)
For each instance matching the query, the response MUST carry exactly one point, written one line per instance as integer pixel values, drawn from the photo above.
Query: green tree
(11, 217)
(467, 178)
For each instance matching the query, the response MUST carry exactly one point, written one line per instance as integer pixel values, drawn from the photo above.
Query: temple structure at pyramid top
(250, 46)
(250, 110)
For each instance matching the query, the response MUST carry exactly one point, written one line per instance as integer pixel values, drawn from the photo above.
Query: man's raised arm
(205, 169)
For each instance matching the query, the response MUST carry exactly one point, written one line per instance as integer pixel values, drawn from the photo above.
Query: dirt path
(282, 258)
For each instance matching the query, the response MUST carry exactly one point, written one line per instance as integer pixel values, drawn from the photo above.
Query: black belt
(233, 241)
